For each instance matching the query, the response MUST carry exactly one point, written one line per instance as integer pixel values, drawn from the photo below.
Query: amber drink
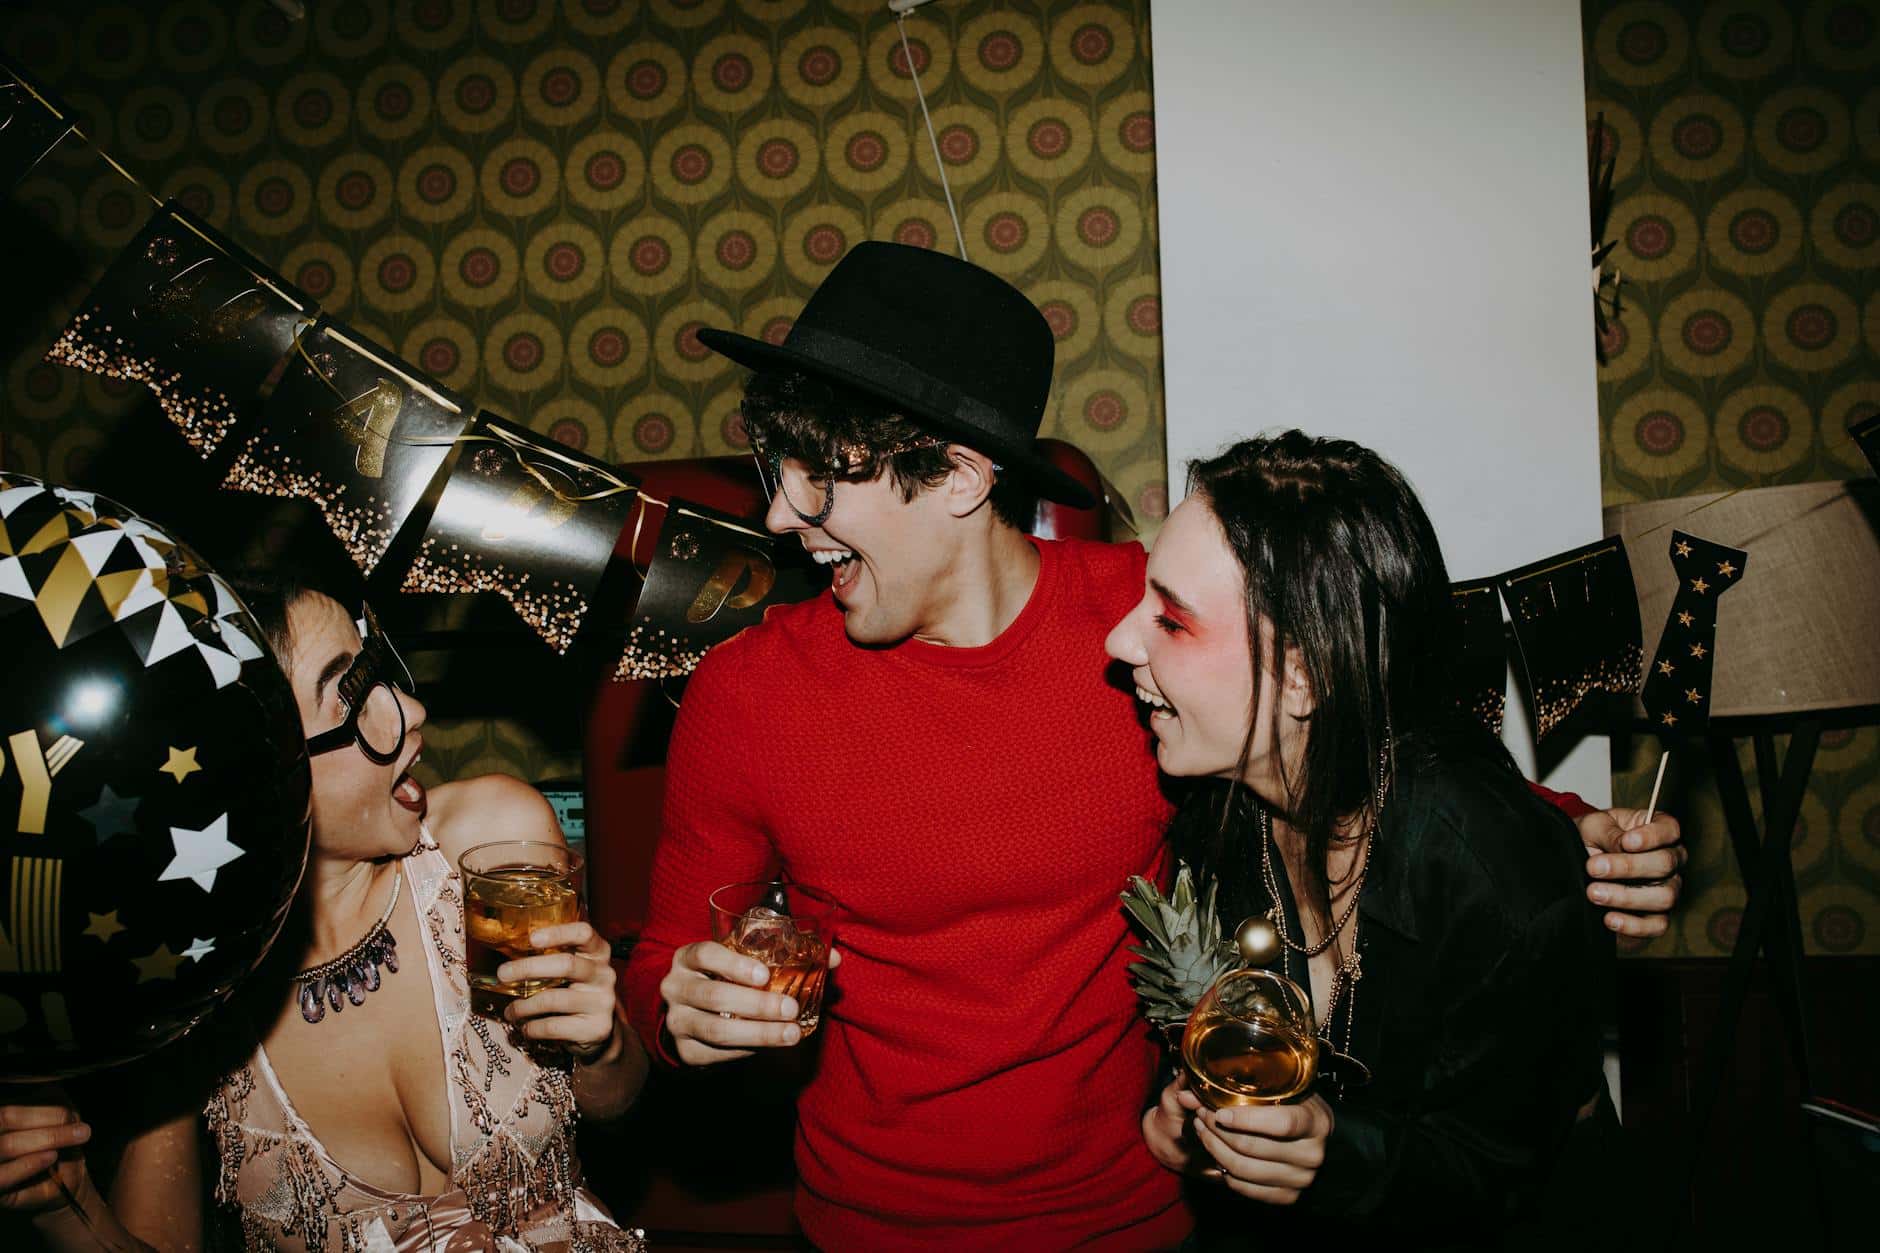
(1250, 1041)
(511, 889)
(787, 927)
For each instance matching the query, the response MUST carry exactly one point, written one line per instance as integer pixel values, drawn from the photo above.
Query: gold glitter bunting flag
(528, 519)
(31, 125)
(711, 576)
(1678, 684)
(191, 316)
(1575, 619)
(356, 431)
(1482, 661)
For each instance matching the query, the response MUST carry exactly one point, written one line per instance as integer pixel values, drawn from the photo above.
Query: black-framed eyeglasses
(377, 665)
(813, 497)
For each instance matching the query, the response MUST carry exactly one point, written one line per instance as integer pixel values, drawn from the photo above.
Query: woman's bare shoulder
(489, 807)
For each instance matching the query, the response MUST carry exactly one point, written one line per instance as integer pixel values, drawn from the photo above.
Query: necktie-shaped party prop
(711, 576)
(525, 518)
(1482, 663)
(356, 431)
(1576, 620)
(1678, 685)
(1866, 433)
(153, 786)
(190, 315)
(31, 125)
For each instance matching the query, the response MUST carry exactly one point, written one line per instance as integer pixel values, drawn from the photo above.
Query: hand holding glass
(513, 888)
(788, 928)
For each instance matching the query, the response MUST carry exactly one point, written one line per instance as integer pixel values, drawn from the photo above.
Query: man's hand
(1633, 868)
(718, 1009)
(1271, 1153)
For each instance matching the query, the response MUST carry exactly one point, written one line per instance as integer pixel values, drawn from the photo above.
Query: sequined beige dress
(517, 1182)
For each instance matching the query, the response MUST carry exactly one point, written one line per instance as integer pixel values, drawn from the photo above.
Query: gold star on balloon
(1699, 586)
(161, 964)
(182, 763)
(1697, 650)
(1684, 549)
(1726, 569)
(1693, 695)
(1665, 667)
(1670, 720)
(1685, 619)
(104, 926)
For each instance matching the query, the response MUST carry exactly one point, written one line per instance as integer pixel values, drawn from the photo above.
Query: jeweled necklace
(355, 972)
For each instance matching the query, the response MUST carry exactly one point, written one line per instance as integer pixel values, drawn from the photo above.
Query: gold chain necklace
(1350, 967)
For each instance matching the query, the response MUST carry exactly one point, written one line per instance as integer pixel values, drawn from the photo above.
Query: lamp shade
(1802, 632)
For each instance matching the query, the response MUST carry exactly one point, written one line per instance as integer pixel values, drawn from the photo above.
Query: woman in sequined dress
(386, 1116)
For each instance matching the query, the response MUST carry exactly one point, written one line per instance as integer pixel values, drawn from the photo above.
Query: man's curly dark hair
(818, 422)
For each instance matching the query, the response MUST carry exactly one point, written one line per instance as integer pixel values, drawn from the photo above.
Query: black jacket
(1484, 978)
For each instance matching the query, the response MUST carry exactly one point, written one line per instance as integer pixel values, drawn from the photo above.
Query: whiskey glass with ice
(788, 927)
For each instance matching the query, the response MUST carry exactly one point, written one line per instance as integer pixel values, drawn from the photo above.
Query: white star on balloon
(199, 949)
(199, 854)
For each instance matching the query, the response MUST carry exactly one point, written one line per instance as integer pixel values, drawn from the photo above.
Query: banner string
(946, 188)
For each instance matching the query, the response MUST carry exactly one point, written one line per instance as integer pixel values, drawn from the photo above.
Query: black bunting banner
(1576, 620)
(528, 519)
(711, 577)
(1866, 433)
(1678, 685)
(1482, 661)
(31, 125)
(191, 316)
(356, 431)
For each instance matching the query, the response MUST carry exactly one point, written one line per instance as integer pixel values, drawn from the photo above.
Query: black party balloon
(153, 786)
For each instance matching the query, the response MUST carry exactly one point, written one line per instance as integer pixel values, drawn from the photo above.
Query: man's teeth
(1150, 699)
(830, 556)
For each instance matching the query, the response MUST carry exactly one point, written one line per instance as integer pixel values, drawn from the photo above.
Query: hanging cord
(959, 236)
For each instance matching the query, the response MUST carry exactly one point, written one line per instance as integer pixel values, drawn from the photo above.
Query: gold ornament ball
(1258, 941)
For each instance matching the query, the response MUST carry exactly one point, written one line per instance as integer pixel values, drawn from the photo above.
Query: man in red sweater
(937, 744)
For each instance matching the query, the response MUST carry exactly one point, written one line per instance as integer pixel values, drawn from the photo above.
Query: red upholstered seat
(692, 1187)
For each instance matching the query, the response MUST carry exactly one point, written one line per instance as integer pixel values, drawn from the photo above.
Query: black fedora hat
(944, 342)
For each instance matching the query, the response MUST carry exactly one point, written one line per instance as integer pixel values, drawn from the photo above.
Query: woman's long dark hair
(1342, 561)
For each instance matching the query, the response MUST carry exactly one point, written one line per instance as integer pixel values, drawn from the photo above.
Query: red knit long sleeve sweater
(975, 812)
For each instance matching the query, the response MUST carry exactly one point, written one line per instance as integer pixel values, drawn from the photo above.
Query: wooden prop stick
(1651, 809)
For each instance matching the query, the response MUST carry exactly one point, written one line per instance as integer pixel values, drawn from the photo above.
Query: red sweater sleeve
(710, 833)
(1572, 804)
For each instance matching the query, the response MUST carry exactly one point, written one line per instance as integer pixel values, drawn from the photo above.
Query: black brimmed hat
(949, 345)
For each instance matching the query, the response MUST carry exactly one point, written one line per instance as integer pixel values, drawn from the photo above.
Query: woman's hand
(1271, 1153)
(1165, 1126)
(35, 1140)
(580, 1015)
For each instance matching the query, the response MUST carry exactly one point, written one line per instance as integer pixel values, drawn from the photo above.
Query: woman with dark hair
(363, 1103)
(1294, 648)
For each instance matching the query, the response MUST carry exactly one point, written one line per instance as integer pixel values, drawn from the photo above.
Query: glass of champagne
(788, 927)
(511, 888)
(1251, 1041)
